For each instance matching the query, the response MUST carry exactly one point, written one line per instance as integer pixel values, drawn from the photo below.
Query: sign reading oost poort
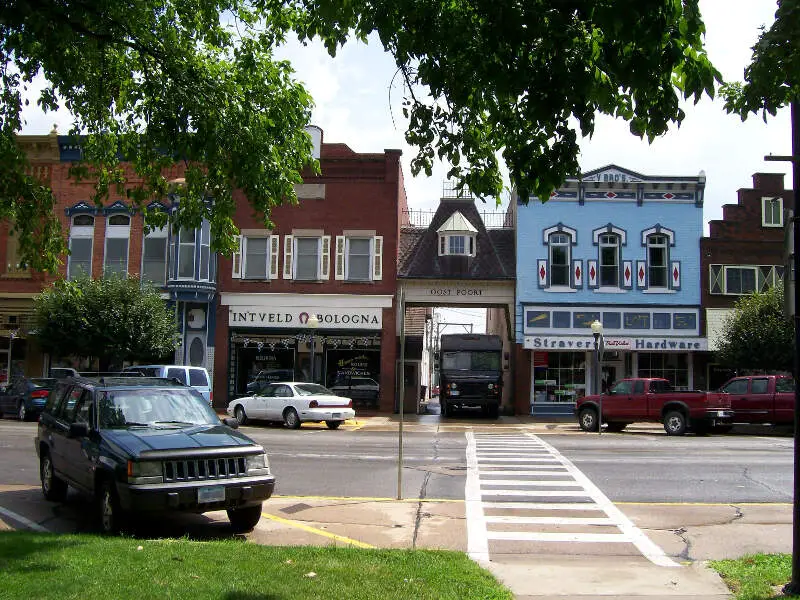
(343, 318)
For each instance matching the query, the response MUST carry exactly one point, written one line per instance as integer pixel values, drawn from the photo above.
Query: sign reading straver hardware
(294, 318)
(666, 344)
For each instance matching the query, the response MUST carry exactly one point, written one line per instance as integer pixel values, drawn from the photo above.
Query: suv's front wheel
(112, 517)
(53, 488)
(244, 519)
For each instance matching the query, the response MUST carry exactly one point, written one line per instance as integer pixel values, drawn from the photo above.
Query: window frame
(80, 232)
(246, 259)
(296, 256)
(349, 257)
(445, 248)
(162, 233)
(726, 268)
(661, 245)
(772, 200)
(553, 245)
(115, 231)
(604, 243)
(180, 243)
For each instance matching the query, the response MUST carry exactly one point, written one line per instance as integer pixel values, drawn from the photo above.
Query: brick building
(334, 256)
(742, 253)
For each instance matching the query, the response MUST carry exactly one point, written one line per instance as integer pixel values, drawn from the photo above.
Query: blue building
(616, 247)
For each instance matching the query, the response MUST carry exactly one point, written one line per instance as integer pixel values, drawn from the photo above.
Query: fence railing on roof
(421, 219)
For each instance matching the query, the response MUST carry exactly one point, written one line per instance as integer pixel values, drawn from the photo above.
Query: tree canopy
(162, 81)
(772, 79)
(111, 319)
(757, 336)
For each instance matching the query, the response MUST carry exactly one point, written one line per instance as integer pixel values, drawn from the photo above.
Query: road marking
(520, 458)
(323, 533)
(477, 540)
(367, 499)
(24, 521)
(649, 549)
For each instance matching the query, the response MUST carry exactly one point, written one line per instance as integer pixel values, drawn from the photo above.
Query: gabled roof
(494, 248)
(457, 223)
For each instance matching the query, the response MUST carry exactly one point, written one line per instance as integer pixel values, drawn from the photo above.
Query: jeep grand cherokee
(137, 444)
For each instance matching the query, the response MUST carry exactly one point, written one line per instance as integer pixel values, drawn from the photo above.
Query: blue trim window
(609, 260)
(186, 258)
(154, 257)
(657, 261)
(559, 250)
(118, 232)
(205, 252)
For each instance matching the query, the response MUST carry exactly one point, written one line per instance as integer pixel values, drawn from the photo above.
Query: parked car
(649, 399)
(195, 377)
(435, 391)
(26, 397)
(135, 444)
(62, 372)
(762, 399)
(293, 403)
(264, 377)
(362, 390)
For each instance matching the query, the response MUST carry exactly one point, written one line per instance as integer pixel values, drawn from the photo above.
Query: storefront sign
(293, 318)
(454, 292)
(665, 344)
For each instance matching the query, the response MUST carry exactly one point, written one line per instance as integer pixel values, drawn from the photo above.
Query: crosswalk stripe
(541, 493)
(542, 473)
(524, 483)
(543, 505)
(531, 536)
(551, 520)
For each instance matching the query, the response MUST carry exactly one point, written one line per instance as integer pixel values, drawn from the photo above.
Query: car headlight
(146, 471)
(453, 386)
(257, 462)
(491, 386)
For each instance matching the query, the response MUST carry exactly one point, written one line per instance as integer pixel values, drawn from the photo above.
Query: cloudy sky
(356, 104)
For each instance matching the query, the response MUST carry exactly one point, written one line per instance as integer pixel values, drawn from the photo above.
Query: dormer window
(457, 236)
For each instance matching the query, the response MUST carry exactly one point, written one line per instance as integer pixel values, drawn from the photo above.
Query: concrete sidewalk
(689, 534)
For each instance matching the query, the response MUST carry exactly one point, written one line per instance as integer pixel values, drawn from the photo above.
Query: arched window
(609, 260)
(559, 249)
(657, 261)
(81, 237)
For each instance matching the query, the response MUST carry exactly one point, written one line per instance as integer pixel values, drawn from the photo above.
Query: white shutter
(274, 252)
(325, 258)
(339, 272)
(288, 243)
(377, 258)
(236, 259)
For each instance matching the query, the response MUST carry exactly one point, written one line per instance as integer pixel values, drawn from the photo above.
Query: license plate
(336, 415)
(212, 493)
(455, 393)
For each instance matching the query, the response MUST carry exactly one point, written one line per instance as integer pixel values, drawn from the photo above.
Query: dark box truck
(470, 373)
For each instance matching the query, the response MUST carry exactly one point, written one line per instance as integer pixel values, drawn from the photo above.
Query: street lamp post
(312, 324)
(597, 332)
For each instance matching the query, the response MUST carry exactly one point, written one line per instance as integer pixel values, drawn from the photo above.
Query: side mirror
(77, 430)
(231, 422)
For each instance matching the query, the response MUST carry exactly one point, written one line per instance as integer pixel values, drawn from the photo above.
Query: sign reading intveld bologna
(611, 344)
(294, 318)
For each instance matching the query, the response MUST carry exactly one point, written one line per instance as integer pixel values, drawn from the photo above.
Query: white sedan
(293, 403)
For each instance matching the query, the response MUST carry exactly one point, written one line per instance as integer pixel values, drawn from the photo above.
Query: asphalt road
(627, 467)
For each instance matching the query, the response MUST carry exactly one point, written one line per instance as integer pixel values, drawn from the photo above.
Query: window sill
(560, 289)
(16, 276)
(609, 290)
(659, 291)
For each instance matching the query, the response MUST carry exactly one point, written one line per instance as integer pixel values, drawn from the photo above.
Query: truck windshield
(145, 407)
(471, 361)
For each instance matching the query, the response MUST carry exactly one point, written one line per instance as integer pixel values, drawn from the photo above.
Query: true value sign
(294, 318)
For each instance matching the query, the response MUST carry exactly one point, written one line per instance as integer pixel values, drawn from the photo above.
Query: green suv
(145, 445)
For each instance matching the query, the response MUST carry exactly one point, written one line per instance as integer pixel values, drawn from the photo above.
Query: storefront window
(559, 376)
(673, 366)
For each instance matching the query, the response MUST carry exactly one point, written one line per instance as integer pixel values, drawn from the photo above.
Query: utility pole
(793, 587)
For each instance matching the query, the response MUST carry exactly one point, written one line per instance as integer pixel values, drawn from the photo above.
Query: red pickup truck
(761, 399)
(647, 399)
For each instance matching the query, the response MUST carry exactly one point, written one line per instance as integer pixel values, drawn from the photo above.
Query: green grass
(41, 566)
(756, 577)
